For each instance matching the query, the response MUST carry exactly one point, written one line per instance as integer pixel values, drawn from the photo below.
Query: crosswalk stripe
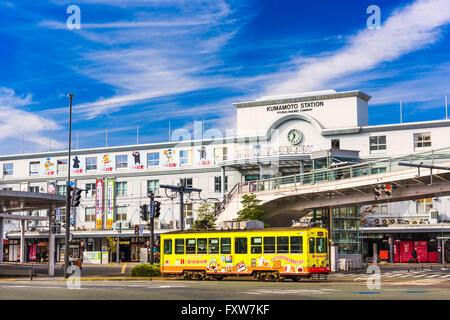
(433, 276)
(446, 276)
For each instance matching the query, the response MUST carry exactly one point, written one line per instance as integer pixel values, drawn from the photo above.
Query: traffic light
(388, 190)
(377, 191)
(76, 196)
(58, 228)
(52, 216)
(144, 212)
(157, 209)
(136, 230)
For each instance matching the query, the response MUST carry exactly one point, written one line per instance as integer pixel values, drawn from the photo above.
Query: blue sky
(144, 63)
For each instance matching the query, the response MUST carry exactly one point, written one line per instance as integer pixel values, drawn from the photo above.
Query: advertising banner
(110, 202)
(99, 204)
(77, 164)
(24, 186)
(136, 160)
(203, 155)
(106, 162)
(51, 187)
(421, 249)
(169, 158)
(48, 167)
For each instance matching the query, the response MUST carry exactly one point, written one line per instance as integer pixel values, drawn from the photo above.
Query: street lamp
(68, 189)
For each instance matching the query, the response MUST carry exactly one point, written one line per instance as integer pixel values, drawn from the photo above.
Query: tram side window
(168, 246)
(282, 244)
(321, 245)
(296, 244)
(240, 245)
(190, 246)
(202, 246)
(269, 244)
(213, 246)
(256, 244)
(179, 246)
(225, 245)
(311, 245)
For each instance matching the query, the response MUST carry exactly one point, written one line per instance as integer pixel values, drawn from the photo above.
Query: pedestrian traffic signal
(136, 230)
(157, 209)
(388, 190)
(144, 212)
(76, 196)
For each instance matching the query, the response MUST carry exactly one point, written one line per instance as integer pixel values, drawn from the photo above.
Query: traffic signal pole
(152, 226)
(68, 189)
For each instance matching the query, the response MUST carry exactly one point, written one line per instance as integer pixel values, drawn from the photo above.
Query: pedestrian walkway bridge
(289, 197)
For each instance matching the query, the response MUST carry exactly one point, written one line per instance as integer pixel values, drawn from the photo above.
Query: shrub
(145, 270)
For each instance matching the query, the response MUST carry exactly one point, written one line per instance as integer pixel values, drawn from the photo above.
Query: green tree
(251, 209)
(205, 219)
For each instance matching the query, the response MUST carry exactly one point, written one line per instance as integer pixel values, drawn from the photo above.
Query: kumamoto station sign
(295, 107)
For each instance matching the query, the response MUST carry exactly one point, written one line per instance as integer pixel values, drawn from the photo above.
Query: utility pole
(181, 189)
(51, 244)
(68, 189)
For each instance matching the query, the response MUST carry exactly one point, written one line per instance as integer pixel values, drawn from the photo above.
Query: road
(397, 284)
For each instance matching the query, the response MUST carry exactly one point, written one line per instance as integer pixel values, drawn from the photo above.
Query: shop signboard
(106, 162)
(422, 252)
(169, 158)
(203, 155)
(406, 248)
(48, 167)
(92, 257)
(77, 164)
(51, 187)
(110, 202)
(99, 204)
(136, 160)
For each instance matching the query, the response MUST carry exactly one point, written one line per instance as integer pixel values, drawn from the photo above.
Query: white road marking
(295, 291)
(433, 276)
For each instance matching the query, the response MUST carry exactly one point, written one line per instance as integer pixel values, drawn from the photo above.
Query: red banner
(99, 204)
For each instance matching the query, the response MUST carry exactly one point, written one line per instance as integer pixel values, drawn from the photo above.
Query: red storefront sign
(396, 251)
(422, 252)
(406, 249)
(433, 256)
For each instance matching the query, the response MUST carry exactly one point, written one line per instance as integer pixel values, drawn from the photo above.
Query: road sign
(141, 231)
(151, 209)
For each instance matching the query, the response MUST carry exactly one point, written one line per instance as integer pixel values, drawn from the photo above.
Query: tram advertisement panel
(110, 202)
(99, 204)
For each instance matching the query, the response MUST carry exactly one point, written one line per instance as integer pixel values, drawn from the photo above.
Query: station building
(274, 136)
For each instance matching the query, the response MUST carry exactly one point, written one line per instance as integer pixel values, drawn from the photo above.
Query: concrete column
(391, 248)
(375, 253)
(222, 181)
(261, 171)
(302, 170)
(22, 240)
(51, 254)
(2, 220)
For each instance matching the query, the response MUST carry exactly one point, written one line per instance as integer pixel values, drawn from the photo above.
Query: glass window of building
(8, 169)
(345, 230)
(153, 159)
(424, 205)
(33, 189)
(422, 140)
(121, 213)
(91, 163)
(220, 154)
(62, 190)
(187, 182)
(121, 188)
(122, 161)
(153, 186)
(188, 211)
(377, 143)
(335, 143)
(89, 215)
(218, 184)
(186, 157)
(90, 190)
(62, 165)
(35, 166)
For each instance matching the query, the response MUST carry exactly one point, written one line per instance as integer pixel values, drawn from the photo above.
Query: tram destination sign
(295, 107)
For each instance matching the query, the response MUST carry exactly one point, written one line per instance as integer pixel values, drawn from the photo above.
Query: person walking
(414, 256)
(38, 257)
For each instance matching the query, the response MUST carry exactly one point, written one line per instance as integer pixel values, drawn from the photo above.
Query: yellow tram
(266, 254)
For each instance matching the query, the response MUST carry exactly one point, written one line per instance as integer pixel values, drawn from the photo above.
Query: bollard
(31, 273)
(408, 267)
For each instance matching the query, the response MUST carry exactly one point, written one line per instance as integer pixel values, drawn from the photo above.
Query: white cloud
(409, 28)
(15, 122)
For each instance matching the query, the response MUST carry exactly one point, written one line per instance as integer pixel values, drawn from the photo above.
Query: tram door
(240, 257)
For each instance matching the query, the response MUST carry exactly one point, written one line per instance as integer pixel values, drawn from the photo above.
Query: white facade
(323, 120)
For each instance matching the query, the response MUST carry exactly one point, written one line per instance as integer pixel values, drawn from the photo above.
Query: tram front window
(321, 246)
